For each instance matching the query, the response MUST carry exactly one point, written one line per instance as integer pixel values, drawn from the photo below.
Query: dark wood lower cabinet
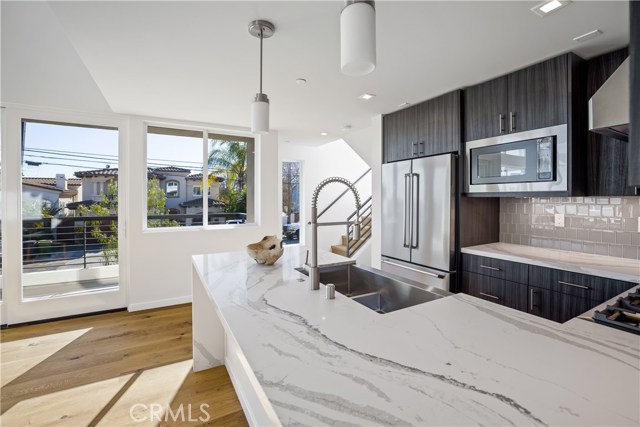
(557, 295)
(540, 302)
(496, 290)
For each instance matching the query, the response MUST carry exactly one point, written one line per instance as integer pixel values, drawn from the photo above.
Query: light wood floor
(114, 369)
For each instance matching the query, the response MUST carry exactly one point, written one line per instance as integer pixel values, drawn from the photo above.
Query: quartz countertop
(577, 262)
(458, 360)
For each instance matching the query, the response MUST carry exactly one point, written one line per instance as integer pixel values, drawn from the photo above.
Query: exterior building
(38, 193)
(183, 190)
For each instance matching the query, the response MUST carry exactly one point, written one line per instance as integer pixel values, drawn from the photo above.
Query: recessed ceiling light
(346, 127)
(366, 96)
(547, 7)
(404, 104)
(587, 36)
(301, 81)
(323, 134)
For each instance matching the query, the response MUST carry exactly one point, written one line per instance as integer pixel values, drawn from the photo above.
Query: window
(172, 189)
(180, 158)
(290, 202)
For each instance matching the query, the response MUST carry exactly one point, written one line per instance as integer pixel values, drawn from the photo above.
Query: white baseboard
(159, 303)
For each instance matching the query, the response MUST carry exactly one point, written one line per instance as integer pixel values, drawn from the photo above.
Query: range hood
(609, 106)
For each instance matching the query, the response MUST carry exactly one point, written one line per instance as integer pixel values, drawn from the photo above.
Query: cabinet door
(499, 291)
(485, 109)
(566, 307)
(540, 302)
(439, 125)
(538, 95)
(634, 129)
(400, 135)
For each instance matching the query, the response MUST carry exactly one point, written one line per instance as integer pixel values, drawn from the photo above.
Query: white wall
(160, 260)
(319, 162)
(368, 144)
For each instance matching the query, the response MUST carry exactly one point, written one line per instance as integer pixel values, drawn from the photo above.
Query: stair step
(364, 230)
(339, 249)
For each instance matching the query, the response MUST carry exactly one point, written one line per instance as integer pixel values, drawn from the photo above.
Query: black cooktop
(624, 314)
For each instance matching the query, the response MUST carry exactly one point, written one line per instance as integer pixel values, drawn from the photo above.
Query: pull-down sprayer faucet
(314, 271)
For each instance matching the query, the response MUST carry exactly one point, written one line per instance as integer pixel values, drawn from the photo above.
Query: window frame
(208, 133)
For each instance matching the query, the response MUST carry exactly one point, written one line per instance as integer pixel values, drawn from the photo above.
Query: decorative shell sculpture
(266, 251)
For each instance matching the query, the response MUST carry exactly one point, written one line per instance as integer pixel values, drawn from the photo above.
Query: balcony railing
(86, 242)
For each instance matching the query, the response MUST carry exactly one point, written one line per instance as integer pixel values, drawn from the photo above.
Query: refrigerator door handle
(415, 195)
(407, 210)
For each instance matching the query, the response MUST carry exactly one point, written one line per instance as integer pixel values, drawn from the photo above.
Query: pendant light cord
(261, 59)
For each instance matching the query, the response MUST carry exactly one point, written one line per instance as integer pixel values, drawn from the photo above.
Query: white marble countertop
(577, 262)
(454, 361)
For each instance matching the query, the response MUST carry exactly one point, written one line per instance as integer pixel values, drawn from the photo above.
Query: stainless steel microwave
(525, 162)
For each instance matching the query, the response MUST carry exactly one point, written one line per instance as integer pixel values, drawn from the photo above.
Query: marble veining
(577, 262)
(454, 361)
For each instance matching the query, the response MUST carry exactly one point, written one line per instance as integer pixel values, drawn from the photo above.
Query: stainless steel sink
(378, 290)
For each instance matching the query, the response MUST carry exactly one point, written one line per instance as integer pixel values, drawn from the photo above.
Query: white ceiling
(197, 61)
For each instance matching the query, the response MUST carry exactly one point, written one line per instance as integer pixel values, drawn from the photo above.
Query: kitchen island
(296, 358)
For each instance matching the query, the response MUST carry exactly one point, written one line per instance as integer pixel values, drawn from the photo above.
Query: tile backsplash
(595, 225)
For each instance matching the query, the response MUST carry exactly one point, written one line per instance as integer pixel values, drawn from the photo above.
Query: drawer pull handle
(489, 268)
(574, 285)
(490, 296)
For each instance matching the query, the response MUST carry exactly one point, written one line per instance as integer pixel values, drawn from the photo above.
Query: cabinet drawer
(493, 267)
(592, 288)
(495, 290)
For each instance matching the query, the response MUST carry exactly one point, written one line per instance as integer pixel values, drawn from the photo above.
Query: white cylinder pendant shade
(358, 39)
(260, 116)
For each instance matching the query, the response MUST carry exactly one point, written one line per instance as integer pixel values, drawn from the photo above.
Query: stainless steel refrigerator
(418, 219)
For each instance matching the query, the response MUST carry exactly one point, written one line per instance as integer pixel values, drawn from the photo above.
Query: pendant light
(260, 106)
(358, 38)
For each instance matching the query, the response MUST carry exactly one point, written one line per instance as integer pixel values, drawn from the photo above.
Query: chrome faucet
(314, 271)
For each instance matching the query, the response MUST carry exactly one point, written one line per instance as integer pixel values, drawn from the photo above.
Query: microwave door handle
(415, 195)
(407, 210)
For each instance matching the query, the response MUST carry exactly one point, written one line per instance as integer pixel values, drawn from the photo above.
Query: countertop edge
(487, 251)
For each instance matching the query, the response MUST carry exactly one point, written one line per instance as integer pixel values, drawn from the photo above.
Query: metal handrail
(363, 216)
(343, 193)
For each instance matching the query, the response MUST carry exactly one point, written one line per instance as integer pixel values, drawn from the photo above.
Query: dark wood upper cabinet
(538, 95)
(431, 127)
(634, 125)
(439, 125)
(400, 134)
(534, 97)
(485, 109)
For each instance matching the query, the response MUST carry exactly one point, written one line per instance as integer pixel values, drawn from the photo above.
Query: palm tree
(229, 159)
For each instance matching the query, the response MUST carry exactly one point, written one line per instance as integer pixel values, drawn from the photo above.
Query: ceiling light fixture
(358, 38)
(404, 104)
(587, 36)
(260, 105)
(545, 8)
(323, 134)
(367, 96)
(301, 81)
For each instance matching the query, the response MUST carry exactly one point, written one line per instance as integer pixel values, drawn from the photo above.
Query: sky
(68, 149)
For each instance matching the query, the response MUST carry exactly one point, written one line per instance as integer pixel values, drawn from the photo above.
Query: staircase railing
(364, 214)
(343, 193)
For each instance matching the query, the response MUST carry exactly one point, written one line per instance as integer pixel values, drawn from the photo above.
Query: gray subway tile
(615, 250)
(601, 249)
(630, 252)
(623, 237)
(608, 236)
(595, 236)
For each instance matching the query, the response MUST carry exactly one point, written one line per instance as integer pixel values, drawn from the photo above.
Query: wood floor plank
(116, 346)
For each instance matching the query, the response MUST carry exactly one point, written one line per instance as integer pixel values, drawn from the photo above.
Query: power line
(154, 164)
(96, 155)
